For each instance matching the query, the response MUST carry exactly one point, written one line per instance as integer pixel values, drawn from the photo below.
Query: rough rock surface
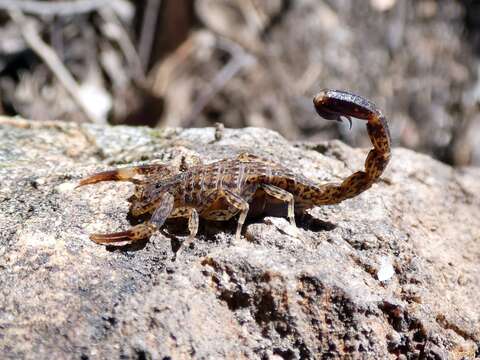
(393, 273)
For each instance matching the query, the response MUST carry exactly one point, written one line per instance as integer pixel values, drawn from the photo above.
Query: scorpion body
(223, 189)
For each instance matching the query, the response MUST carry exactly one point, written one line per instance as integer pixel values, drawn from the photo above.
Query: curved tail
(335, 104)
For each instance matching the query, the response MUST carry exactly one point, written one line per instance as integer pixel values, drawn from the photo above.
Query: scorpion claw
(136, 233)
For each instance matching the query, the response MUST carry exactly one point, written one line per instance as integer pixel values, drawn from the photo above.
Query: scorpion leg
(141, 231)
(333, 105)
(237, 202)
(127, 174)
(193, 222)
(283, 195)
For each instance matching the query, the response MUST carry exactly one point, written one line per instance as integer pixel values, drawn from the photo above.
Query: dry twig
(120, 34)
(60, 8)
(147, 33)
(50, 58)
(240, 59)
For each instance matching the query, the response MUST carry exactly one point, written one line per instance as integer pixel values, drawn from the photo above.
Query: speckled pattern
(223, 189)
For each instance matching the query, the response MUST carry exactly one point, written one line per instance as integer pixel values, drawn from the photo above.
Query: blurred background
(194, 63)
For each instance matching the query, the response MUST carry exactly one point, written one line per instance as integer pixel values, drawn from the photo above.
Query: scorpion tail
(335, 104)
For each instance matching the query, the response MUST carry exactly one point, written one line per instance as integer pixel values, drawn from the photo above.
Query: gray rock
(278, 294)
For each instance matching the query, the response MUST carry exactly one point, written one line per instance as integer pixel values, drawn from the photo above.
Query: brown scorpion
(223, 189)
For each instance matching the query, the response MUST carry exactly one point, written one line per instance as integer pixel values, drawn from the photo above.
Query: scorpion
(225, 188)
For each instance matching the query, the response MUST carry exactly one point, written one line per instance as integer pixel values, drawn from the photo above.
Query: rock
(314, 293)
